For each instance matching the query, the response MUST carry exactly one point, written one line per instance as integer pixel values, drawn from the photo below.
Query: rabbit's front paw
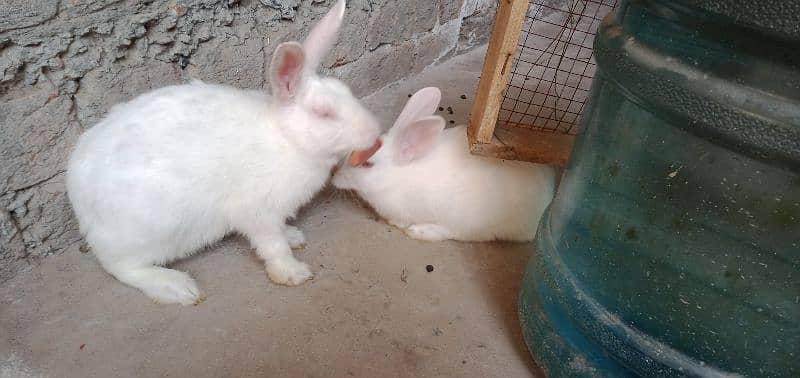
(295, 237)
(288, 271)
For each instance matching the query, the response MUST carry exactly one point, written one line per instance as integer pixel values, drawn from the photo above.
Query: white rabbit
(425, 181)
(178, 168)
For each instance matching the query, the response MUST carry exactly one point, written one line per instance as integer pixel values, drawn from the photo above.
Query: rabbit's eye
(324, 112)
(366, 164)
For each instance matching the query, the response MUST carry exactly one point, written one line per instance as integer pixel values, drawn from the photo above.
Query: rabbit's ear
(286, 70)
(417, 139)
(421, 104)
(322, 37)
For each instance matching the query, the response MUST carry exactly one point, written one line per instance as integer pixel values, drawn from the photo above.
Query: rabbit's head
(319, 114)
(415, 133)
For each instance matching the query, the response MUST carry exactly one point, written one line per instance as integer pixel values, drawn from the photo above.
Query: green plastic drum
(673, 245)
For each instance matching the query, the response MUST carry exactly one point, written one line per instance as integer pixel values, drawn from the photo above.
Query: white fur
(176, 169)
(444, 192)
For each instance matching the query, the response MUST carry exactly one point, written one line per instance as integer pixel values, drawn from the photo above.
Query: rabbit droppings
(176, 169)
(425, 181)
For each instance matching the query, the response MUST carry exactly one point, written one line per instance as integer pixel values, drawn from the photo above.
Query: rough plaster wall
(476, 24)
(63, 63)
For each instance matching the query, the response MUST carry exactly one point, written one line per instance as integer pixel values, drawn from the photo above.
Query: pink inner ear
(418, 138)
(289, 71)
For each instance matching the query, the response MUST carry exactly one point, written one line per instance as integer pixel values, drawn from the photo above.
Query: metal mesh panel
(554, 65)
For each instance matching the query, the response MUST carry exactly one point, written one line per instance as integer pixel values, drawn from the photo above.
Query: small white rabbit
(178, 168)
(425, 181)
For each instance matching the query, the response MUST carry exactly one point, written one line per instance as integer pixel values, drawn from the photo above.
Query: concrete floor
(372, 309)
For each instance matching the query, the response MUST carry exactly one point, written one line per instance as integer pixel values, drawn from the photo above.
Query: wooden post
(496, 69)
(512, 143)
(535, 146)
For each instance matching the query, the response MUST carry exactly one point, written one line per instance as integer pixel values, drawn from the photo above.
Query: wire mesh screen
(554, 65)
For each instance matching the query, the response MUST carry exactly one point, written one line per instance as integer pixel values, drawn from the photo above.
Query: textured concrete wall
(63, 63)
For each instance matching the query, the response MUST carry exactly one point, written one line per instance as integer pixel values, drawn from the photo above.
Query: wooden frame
(511, 143)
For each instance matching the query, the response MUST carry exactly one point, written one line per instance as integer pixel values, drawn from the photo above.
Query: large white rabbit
(178, 168)
(425, 181)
